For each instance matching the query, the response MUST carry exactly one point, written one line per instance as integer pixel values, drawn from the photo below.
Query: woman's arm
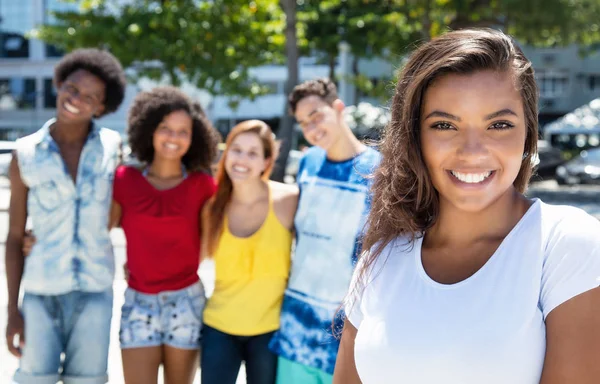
(573, 341)
(345, 368)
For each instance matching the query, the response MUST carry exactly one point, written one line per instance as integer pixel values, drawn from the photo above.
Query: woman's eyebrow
(503, 112)
(445, 115)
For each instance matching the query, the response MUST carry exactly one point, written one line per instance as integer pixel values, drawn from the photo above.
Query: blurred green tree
(542, 23)
(211, 44)
(390, 28)
(286, 126)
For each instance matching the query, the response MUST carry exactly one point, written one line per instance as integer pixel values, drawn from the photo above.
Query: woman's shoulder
(125, 172)
(285, 201)
(571, 225)
(201, 176)
(568, 233)
(282, 190)
(203, 183)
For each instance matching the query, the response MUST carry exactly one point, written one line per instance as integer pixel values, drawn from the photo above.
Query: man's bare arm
(14, 259)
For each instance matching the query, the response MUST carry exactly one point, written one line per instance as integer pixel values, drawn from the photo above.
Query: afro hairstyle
(101, 64)
(150, 108)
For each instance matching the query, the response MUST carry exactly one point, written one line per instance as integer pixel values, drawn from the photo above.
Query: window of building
(49, 94)
(593, 82)
(17, 93)
(15, 22)
(552, 83)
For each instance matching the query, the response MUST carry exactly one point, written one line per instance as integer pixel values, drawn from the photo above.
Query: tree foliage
(390, 28)
(543, 23)
(211, 44)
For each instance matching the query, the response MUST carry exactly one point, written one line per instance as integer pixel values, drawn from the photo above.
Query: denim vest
(73, 250)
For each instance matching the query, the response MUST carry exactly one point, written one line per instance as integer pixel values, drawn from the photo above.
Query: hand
(28, 242)
(15, 327)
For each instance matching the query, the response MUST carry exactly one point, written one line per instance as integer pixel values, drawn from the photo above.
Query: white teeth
(239, 168)
(171, 146)
(471, 178)
(71, 108)
(319, 136)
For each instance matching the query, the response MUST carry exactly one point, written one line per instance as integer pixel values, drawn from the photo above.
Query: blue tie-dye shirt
(73, 251)
(334, 202)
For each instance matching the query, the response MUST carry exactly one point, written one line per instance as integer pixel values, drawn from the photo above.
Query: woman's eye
(442, 126)
(502, 125)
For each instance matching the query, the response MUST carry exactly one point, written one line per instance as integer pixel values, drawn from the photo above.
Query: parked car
(583, 169)
(548, 159)
(6, 149)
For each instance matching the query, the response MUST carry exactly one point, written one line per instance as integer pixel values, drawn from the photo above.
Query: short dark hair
(324, 88)
(101, 64)
(150, 108)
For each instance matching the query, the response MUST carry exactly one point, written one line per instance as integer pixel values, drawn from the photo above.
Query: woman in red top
(158, 206)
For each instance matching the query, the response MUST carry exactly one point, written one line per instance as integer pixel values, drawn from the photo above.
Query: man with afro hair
(61, 180)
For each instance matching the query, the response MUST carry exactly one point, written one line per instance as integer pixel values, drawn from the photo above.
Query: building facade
(27, 95)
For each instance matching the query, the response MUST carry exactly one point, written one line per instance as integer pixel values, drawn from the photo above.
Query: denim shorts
(171, 318)
(76, 324)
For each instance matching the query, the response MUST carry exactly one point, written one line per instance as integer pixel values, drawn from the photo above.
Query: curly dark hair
(101, 64)
(405, 202)
(324, 88)
(150, 108)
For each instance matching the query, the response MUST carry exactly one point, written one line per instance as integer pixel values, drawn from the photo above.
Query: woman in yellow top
(248, 232)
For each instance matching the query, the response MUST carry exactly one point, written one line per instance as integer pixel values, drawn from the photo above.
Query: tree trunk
(355, 74)
(286, 125)
(332, 68)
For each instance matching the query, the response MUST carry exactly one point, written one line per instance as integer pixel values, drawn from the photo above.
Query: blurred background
(241, 58)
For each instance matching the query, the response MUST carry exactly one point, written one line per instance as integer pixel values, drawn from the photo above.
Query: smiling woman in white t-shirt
(466, 280)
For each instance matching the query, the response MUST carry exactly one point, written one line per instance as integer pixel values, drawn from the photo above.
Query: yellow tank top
(250, 279)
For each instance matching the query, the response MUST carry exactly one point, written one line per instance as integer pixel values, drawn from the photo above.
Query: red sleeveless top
(162, 229)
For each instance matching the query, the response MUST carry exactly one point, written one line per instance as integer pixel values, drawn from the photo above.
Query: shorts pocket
(197, 304)
(126, 311)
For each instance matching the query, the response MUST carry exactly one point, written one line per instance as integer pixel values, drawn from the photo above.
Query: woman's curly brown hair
(147, 112)
(405, 202)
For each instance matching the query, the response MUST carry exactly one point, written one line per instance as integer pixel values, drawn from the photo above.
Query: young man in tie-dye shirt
(334, 202)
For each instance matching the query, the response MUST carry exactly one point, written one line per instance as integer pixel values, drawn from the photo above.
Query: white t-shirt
(488, 328)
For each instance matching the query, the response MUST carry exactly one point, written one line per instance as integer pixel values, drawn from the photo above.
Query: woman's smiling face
(473, 137)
